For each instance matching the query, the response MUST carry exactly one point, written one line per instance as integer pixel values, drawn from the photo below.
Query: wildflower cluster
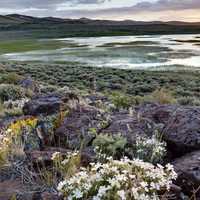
(118, 179)
(150, 150)
(16, 104)
(11, 140)
(16, 128)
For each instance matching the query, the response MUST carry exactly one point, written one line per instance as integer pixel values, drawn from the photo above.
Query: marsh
(155, 52)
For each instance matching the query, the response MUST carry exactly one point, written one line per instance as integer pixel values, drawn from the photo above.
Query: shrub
(10, 78)
(122, 101)
(114, 180)
(11, 92)
(162, 96)
(192, 101)
(48, 89)
(110, 145)
(11, 142)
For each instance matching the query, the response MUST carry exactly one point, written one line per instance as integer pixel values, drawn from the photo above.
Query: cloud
(43, 4)
(161, 5)
(168, 5)
(141, 7)
(107, 9)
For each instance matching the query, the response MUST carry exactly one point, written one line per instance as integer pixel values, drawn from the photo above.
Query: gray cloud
(145, 6)
(44, 4)
(161, 5)
(168, 5)
(48, 7)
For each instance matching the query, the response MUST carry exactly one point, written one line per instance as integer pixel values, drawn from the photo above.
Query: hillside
(23, 19)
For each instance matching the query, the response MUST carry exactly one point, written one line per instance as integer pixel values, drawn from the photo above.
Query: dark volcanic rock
(43, 105)
(14, 189)
(75, 130)
(130, 127)
(44, 157)
(188, 170)
(49, 196)
(181, 125)
(160, 114)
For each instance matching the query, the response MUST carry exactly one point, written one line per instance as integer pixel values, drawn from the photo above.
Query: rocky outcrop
(75, 131)
(49, 104)
(43, 105)
(129, 127)
(181, 125)
(188, 170)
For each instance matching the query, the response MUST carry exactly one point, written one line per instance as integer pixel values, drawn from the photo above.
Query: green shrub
(48, 89)
(192, 101)
(122, 101)
(11, 92)
(10, 78)
(13, 112)
(162, 96)
(110, 145)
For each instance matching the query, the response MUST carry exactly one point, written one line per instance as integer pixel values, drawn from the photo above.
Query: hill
(23, 19)
(15, 26)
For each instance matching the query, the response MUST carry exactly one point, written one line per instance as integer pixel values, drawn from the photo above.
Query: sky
(143, 10)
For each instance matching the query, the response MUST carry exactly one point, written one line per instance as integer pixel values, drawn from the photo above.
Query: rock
(29, 83)
(50, 104)
(49, 196)
(44, 157)
(129, 127)
(75, 130)
(188, 170)
(181, 126)
(45, 129)
(160, 114)
(14, 189)
(87, 156)
(46, 105)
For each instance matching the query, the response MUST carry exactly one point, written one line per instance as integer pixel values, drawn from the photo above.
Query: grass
(16, 46)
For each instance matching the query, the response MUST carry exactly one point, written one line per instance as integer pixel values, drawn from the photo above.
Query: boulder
(75, 131)
(50, 104)
(181, 125)
(14, 189)
(46, 105)
(129, 127)
(188, 170)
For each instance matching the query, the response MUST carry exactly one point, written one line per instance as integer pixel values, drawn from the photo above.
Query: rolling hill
(23, 19)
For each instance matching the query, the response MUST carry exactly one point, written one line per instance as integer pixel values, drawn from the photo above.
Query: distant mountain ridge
(14, 19)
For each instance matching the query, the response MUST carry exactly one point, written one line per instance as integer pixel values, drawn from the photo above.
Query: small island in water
(97, 109)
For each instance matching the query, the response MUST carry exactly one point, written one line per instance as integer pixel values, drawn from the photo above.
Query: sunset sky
(144, 10)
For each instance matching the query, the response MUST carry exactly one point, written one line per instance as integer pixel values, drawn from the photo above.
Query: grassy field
(16, 46)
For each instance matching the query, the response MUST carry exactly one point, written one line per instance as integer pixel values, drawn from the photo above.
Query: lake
(157, 52)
